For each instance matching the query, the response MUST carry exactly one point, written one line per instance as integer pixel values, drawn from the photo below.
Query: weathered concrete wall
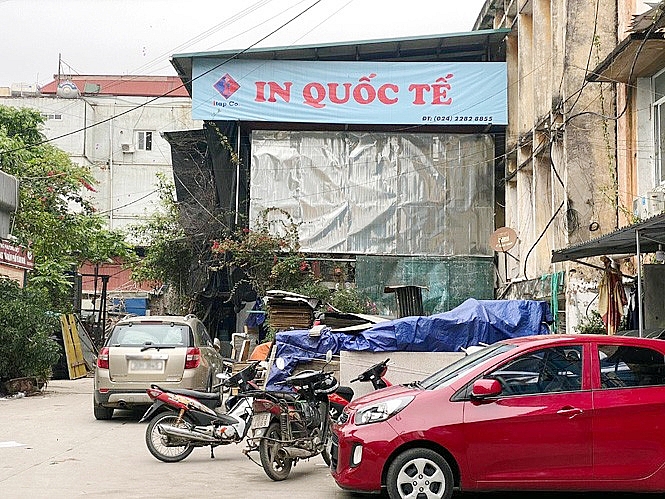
(403, 367)
(561, 152)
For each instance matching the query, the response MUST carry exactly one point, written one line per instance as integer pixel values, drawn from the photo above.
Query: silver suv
(171, 351)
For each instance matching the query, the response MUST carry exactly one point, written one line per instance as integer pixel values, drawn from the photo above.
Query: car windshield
(451, 372)
(157, 335)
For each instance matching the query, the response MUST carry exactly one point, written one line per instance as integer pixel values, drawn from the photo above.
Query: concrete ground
(51, 446)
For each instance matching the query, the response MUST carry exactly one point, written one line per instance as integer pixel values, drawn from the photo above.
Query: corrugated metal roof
(619, 242)
(126, 85)
(474, 46)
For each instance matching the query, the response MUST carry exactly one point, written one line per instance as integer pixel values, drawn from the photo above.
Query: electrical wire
(165, 94)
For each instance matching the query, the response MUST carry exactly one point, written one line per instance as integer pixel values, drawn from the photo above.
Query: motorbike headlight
(381, 411)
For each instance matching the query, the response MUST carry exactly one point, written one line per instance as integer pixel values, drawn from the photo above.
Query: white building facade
(113, 124)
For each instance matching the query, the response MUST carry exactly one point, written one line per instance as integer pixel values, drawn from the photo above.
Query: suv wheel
(101, 412)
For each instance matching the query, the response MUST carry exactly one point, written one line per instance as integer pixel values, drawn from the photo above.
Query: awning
(639, 55)
(644, 237)
(633, 58)
(624, 241)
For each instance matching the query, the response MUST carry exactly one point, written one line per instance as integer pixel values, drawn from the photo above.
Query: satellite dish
(503, 239)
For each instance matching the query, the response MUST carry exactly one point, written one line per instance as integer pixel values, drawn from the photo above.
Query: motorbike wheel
(275, 466)
(326, 457)
(158, 444)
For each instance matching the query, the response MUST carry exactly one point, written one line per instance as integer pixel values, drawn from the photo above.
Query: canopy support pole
(639, 284)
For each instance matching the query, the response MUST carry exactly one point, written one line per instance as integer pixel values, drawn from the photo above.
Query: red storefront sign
(16, 256)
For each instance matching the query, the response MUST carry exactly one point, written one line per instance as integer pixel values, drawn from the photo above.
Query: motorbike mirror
(329, 356)
(280, 363)
(217, 344)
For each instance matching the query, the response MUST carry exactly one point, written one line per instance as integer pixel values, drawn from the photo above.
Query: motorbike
(289, 426)
(343, 395)
(185, 419)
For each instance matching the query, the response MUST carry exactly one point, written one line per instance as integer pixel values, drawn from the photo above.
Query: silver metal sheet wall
(8, 201)
(378, 193)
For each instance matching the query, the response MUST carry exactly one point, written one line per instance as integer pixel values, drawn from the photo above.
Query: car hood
(391, 391)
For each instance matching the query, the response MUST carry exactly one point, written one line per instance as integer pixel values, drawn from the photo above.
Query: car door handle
(571, 412)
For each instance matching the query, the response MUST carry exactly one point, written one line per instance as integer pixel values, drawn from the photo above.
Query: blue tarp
(472, 323)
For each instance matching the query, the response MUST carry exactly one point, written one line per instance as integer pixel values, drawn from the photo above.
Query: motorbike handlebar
(375, 370)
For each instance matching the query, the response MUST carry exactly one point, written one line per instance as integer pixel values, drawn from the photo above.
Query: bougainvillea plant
(268, 253)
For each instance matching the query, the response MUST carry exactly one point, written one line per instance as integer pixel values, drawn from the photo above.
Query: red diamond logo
(226, 86)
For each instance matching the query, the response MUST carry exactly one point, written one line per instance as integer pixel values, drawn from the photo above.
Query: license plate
(146, 365)
(260, 420)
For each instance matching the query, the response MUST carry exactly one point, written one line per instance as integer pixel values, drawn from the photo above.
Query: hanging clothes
(611, 297)
(633, 313)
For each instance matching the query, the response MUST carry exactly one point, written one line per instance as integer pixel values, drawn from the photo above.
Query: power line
(165, 94)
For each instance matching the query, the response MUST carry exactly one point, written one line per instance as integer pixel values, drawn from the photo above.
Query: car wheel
(101, 412)
(419, 473)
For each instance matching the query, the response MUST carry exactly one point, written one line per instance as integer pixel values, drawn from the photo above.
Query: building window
(52, 116)
(144, 141)
(658, 85)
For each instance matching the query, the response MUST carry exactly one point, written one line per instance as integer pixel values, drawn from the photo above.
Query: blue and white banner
(413, 93)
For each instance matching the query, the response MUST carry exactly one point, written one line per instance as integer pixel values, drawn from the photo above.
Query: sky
(138, 37)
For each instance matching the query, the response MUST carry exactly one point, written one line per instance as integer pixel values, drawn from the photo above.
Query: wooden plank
(74, 352)
(244, 351)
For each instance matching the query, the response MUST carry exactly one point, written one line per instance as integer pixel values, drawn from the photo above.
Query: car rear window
(623, 366)
(173, 335)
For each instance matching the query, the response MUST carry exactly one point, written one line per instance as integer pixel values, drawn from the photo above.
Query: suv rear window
(151, 334)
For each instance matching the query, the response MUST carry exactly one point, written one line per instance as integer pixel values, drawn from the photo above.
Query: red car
(555, 412)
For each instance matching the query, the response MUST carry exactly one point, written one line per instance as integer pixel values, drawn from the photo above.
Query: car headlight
(381, 411)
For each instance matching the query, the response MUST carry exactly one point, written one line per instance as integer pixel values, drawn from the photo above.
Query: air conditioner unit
(127, 148)
(655, 203)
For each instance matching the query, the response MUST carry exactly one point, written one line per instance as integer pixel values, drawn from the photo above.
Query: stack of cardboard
(290, 311)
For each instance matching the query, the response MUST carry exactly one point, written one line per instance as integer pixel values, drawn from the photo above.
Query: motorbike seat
(191, 393)
(346, 392)
(289, 397)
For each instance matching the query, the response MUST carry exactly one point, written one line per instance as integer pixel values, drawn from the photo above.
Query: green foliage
(54, 220)
(315, 290)
(169, 253)
(26, 329)
(592, 324)
(22, 125)
(351, 300)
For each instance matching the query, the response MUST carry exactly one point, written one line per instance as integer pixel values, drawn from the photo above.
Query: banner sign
(16, 256)
(413, 93)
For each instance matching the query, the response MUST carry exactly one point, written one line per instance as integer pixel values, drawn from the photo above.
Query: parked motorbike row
(283, 427)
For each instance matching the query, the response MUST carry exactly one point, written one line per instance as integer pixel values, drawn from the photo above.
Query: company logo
(226, 86)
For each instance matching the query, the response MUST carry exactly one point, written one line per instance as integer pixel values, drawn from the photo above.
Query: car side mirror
(485, 388)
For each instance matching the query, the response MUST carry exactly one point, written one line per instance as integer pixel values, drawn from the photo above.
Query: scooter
(185, 419)
(343, 395)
